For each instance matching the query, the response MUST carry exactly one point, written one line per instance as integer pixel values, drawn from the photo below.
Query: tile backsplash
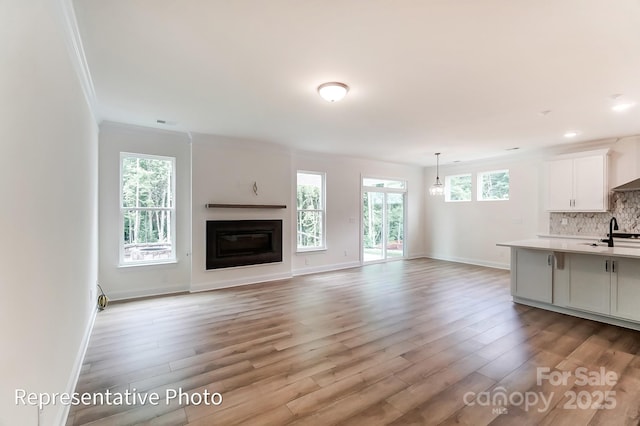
(625, 206)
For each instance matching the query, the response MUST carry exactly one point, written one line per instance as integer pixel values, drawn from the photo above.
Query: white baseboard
(195, 288)
(477, 262)
(325, 268)
(150, 292)
(416, 256)
(63, 413)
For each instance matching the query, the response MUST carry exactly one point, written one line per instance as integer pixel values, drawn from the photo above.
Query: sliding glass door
(383, 219)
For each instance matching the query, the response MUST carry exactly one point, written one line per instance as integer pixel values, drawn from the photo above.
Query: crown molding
(76, 52)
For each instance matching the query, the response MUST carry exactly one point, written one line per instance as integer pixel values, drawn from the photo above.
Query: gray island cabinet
(574, 277)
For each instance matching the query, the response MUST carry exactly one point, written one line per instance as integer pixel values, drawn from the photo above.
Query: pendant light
(438, 187)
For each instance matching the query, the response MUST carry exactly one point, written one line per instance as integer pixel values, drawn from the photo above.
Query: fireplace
(243, 242)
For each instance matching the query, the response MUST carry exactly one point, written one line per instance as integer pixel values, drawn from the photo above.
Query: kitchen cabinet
(533, 274)
(625, 288)
(578, 183)
(590, 283)
(574, 277)
(606, 285)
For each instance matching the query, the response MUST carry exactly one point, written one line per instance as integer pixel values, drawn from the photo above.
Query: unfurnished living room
(295, 212)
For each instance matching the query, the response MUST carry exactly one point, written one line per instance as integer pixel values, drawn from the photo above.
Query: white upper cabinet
(578, 182)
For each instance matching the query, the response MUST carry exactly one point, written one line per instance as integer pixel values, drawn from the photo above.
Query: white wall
(133, 281)
(468, 231)
(224, 170)
(344, 208)
(48, 187)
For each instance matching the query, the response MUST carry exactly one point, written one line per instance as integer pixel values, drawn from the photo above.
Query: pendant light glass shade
(438, 187)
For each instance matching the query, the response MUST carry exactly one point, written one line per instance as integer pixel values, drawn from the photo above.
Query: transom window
(457, 187)
(310, 196)
(493, 185)
(147, 209)
(384, 183)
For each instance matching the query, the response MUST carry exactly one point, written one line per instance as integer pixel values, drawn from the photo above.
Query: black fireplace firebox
(243, 242)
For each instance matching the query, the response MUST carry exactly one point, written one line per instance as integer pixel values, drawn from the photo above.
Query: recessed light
(571, 134)
(623, 106)
(545, 112)
(166, 123)
(512, 149)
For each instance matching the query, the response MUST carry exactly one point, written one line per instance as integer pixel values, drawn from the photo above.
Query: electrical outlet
(306, 261)
(564, 221)
(346, 253)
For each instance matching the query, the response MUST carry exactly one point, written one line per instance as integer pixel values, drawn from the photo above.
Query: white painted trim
(157, 291)
(326, 268)
(73, 41)
(416, 256)
(171, 210)
(323, 210)
(477, 262)
(63, 413)
(597, 152)
(215, 285)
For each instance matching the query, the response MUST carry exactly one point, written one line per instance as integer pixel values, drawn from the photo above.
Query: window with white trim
(147, 209)
(493, 185)
(457, 188)
(310, 222)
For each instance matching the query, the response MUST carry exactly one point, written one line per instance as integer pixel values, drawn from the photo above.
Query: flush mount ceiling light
(437, 188)
(571, 134)
(333, 91)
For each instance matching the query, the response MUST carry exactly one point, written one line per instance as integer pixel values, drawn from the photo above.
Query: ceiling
(468, 78)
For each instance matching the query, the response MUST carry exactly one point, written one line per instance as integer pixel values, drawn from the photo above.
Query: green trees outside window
(147, 208)
(493, 185)
(310, 211)
(457, 187)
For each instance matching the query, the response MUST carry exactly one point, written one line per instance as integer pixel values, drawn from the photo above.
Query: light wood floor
(400, 343)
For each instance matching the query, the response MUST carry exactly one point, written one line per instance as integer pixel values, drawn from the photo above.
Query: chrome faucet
(613, 226)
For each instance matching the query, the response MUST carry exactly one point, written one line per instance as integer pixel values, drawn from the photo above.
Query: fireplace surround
(243, 242)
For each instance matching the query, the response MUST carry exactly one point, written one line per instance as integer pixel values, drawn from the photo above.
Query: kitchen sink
(617, 244)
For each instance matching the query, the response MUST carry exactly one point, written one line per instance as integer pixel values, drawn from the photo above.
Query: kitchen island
(579, 277)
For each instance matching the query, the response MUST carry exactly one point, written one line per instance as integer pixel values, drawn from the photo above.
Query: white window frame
(405, 214)
(123, 209)
(479, 185)
(447, 188)
(322, 211)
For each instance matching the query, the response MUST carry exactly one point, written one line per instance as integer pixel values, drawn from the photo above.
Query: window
(311, 211)
(147, 209)
(457, 188)
(493, 185)
(383, 219)
(384, 183)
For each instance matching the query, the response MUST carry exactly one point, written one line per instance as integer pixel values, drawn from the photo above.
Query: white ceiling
(468, 78)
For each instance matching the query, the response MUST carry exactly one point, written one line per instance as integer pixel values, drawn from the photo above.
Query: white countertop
(623, 247)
